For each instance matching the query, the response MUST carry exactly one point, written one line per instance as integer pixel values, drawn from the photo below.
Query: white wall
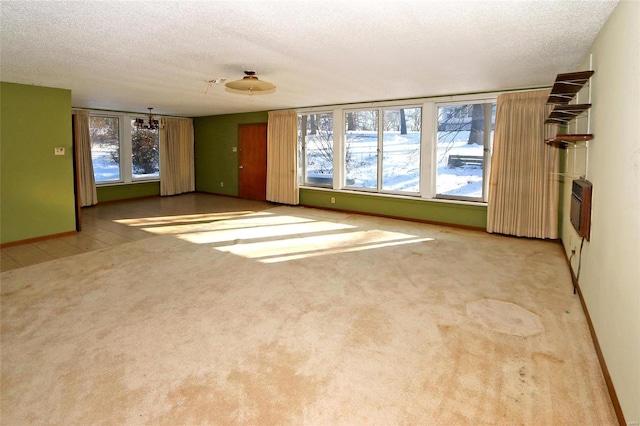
(610, 270)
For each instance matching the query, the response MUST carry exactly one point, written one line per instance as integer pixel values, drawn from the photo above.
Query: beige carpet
(300, 316)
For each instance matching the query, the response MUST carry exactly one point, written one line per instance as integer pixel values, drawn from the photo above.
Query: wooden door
(252, 161)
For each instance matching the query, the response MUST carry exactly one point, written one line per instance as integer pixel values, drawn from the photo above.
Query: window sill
(397, 196)
(120, 183)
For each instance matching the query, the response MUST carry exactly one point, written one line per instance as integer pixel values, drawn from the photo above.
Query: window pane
(145, 149)
(401, 150)
(460, 149)
(105, 147)
(361, 150)
(318, 144)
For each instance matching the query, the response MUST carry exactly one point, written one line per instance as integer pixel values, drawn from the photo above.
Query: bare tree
(104, 130)
(313, 127)
(476, 135)
(318, 141)
(144, 151)
(351, 122)
(403, 122)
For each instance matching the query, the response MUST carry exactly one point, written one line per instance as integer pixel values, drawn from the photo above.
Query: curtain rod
(123, 112)
(415, 100)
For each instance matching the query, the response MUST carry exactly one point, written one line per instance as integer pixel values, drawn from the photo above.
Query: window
(361, 152)
(382, 149)
(434, 148)
(401, 150)
(122, 155)
(105, 148)
(315, 141)
(145, 150)
(465, 137)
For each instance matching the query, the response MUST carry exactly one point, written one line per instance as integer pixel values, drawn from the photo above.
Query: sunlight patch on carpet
(271, 230)
(305, 247)
(343, 250)
(177, 223)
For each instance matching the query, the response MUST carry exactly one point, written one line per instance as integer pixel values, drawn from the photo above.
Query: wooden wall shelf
(563, 91)
(563, 113)
(562, 141)
(567, 85)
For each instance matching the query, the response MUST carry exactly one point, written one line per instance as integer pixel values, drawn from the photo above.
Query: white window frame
(343, 166)
(487, 151)
(380, 148)
(130, 118)
(126, 149)
(428, 147)
(303, 163)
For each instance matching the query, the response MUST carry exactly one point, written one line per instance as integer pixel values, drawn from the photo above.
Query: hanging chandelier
(250, 84)
(151, 125)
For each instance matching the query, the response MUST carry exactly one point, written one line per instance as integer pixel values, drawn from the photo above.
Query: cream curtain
(523, 188)
(176, 156)
(282, 157)
(84, 164)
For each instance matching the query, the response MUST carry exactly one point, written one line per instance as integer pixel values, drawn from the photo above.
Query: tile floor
(111, 224)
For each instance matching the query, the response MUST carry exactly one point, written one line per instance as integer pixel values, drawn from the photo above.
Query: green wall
(124, 192)
(37, 197)
(432, 211)
(215, 160)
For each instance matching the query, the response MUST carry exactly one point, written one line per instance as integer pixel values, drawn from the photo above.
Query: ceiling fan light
(250, 83)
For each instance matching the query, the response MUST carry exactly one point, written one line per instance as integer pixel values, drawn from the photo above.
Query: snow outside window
(465, 137)
(433, 148)
(361, 150)
(401, 150)
(315, 153)
(382, 149)
(120, 152)
(104, 132)
(145, 152)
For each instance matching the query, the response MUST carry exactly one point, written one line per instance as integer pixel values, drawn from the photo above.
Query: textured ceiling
(130, 55)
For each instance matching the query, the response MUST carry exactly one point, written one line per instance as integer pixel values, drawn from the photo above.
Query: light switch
(234, 149)
(59, 151)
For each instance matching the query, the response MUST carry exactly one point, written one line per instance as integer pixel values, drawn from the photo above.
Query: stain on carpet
(200, 400)
(268, 388)
(371, 326)
(505, 317)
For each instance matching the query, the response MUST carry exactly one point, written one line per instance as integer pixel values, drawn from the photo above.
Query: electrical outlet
(333, 200)
(58, 151)
(221, 184)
